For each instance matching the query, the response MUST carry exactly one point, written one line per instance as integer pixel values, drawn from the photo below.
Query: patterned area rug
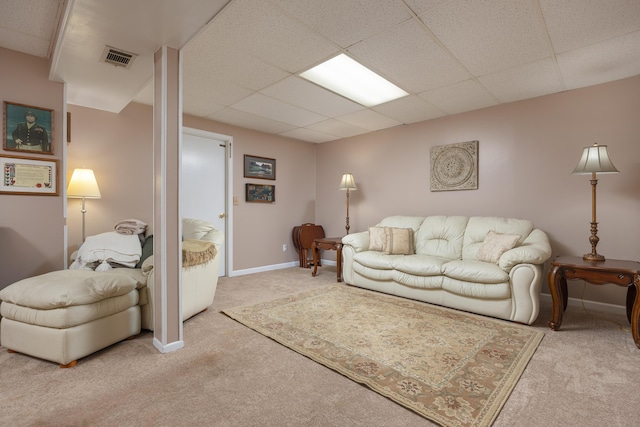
(452, 367)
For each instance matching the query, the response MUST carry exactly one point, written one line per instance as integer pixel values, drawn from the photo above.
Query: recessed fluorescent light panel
(348, 78)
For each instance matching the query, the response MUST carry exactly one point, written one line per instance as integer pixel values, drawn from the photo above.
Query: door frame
(228, 190)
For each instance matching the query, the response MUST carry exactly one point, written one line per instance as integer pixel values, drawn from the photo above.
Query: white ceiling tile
(250, 121)
(526, 81)
(422, 6)
(297, 91)
(35, 18)
(605, 61)
(369, 119)
(308, 135)
(273, 109)
(460, 97)
(409, 57)
(271, 35)
(577, 23)
(487, 36)
(337, 128)
(25, 43)
(201, 89)
(206, 54)
(409, 109)
(347, 22)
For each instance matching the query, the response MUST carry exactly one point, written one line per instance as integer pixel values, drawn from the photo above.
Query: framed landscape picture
(259, 193)
(259, 167)
(27, 128)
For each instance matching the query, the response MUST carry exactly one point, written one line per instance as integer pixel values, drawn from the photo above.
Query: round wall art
(454, 166)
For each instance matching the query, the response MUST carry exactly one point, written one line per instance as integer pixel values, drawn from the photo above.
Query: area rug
(452, 367)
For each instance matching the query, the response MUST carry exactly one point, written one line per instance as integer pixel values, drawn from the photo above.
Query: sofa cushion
(441, 236)
(420, 265)
(401, 221)
(495, 244)
(67, 317)
(377, 238)
(475, 271)
(478, 227)
(478, 291)
(375, 259)
(64, 288)
(195, 229)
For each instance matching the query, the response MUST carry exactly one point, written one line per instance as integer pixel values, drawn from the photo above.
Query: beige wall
(31, 227)
(527, 151)
(118, 147)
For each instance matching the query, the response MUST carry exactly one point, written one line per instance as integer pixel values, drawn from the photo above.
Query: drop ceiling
(241, 58)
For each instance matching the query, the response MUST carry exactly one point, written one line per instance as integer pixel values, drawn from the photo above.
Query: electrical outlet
(284, 248)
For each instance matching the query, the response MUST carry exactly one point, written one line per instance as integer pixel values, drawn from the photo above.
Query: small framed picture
(259, 167)
(259, 193)
(29, 176)
(27, 128)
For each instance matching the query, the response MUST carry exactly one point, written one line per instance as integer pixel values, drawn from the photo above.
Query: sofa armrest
(535, 249)
(358, 241)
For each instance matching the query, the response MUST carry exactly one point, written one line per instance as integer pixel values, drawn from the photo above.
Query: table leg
(558, 288)
(635, 313)
(315, 251)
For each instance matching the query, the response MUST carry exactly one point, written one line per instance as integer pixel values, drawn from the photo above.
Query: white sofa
(454, 261)
(65, 315)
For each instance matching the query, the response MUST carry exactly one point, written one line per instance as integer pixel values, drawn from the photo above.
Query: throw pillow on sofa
(377, 238)
(391, 240)
(495, 244)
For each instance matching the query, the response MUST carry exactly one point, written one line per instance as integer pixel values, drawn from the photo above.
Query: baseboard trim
(589, 305)
(274, 267)
(176, 345)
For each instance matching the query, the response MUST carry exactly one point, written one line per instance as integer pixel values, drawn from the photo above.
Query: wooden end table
(331, 243)
(617, 272)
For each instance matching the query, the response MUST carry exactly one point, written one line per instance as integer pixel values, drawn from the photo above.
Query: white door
(204, 180)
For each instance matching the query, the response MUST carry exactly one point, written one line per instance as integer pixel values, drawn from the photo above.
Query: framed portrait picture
(30, 176)
(259, 167)
(259, 193)
(27, 128)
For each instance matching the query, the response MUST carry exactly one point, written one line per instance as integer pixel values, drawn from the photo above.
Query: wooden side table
(617, 272)
(331, 243)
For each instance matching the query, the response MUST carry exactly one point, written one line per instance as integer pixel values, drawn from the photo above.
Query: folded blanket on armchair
(130, 226)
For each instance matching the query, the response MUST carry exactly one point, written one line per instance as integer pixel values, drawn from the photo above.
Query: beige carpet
(228, 375)
(451, 367)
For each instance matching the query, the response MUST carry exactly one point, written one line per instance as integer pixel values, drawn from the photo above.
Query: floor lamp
(83, 185)
(347, 183)
(594, 160)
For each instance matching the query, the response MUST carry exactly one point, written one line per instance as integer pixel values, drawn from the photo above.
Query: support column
(167, 224)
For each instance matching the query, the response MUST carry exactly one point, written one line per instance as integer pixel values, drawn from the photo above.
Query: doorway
(206, 183)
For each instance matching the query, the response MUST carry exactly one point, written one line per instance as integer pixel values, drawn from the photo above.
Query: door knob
(222, 215)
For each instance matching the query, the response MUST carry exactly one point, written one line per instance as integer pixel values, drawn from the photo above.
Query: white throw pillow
(377, 239)
(495, 244)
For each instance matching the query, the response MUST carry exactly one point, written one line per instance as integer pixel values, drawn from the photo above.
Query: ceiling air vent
(117, 57)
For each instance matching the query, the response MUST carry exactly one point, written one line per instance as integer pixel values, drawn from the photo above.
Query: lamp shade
(595, 159)
(83, 184)
(348, 182)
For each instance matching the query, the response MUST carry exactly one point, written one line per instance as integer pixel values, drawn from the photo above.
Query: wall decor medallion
(454, 166)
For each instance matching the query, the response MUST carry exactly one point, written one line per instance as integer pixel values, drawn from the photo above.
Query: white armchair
(199, 281)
